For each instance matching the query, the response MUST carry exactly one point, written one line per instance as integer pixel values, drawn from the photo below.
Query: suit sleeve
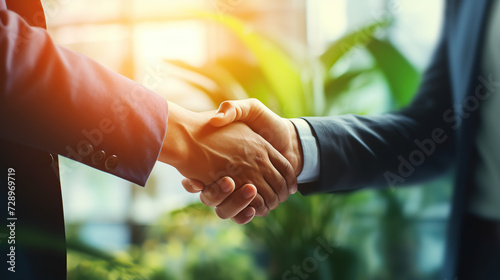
(64, 103)
(392, 149)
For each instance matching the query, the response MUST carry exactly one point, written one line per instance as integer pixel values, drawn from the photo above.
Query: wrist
(297, 156)
(176, 144)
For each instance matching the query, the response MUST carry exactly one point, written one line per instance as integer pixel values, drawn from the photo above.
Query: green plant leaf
(402, 77)
(346, 43)
(340, 90)
(251, 78)
(280, 71)
(336, 87)
(225, 86)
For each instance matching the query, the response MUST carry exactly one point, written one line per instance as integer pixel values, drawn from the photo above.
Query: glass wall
(160, 231)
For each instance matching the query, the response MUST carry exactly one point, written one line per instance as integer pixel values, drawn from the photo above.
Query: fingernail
(196, 186)
(294, 189)
(248, 192)
(225, 187)
(219, 115)
(193, 186)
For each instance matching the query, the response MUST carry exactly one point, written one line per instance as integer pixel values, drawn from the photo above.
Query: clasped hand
(244, 159)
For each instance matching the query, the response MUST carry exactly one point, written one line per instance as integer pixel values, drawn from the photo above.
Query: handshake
(243, 158)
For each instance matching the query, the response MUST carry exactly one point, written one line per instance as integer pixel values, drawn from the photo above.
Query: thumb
(226, 114)
(235, 110)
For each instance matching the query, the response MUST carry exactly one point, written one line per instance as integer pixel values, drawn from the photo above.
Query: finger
(260, 206)
(236, 110)
(280, 176)
(277, 184)
(244, 216)
(192, 186)
(215, 193)
(226, 114)
(266, 187)
(236, 202)
(286, 171)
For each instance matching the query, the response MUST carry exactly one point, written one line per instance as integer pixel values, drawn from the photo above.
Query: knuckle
(260, 157)
(226, 104)
(239, 112)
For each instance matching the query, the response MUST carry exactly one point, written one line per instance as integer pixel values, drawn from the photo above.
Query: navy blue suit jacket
(358, 152)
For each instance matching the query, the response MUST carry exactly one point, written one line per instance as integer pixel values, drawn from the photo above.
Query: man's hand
(279, 132)
(228, 202)
(205, 153)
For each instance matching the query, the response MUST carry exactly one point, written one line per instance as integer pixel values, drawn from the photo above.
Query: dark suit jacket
(357, 152)
(56, 102)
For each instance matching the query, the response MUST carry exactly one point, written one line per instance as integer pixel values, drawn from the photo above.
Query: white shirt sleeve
(310, 150)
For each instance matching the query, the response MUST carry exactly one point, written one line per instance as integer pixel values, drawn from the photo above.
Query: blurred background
(299, 57)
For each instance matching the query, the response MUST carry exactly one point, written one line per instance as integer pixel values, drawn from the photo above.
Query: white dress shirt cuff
(311, 166)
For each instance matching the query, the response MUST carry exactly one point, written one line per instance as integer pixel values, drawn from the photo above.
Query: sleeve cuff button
(111, 162)
(98, 157)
